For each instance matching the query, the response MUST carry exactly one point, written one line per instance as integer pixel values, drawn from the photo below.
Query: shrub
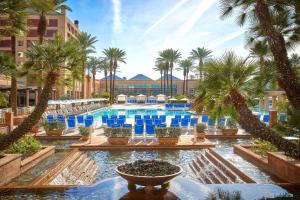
(262, 147)
(200, 128)
(117, 132)
(84, 131)
(231, 123)
(171, 132)
(102, 95)
(55, 125)
(26, 145)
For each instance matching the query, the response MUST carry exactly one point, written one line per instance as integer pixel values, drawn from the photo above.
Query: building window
(20, 43)
(53, 23)
(5, 43)
(33, 22)
(51, 33)
(20, 54)
(32, 33)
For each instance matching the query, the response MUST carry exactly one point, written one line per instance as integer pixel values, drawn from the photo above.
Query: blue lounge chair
(61, 118)
(71, 123)
(157, 122)
(127, 125)
(138, 130)
(211, 122)
(104, 119)
(150, 129)
(71, 117)
(121, 121)
(137, 117)
(148, 122)
(188, 105)
(204, 118)
(178, 117)
(222, 121)
(110, 122)
(174, 122)
(146, 117)
(122, 117)
(50, 118)
(80, 119)
(116, 125)
(154, 117)
(194, 121)
(188, 117)
(184, 122)
(162, 126)
(139, 122)
(163, 118)
(88, 122)
(266, 118)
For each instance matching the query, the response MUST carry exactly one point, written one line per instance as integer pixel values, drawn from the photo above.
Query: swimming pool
(130, 113)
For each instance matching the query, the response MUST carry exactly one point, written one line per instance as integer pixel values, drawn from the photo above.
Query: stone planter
(230, 131)
(10, 167)
(199, 135)
(18, 120)
(34, 159)
(4, 129)
(118, 140)
(56, 132)
(36, 129)
(85, 137)
(167, 141)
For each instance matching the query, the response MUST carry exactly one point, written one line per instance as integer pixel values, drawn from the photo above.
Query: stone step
(202, 172)
(211, 172)
(73, 167)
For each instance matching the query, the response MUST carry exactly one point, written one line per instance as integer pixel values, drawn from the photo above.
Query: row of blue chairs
(71, 120)
(151, 101)
(131, 101)
(179, 106)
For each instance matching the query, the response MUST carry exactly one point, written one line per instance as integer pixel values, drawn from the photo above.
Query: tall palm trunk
(164, 82)
(114, 77)
(187, 82)
(255, 127)
(14, 85)
(110, 81)
(34, 117)
(42, 27)
(171, 69)
(287, 79)
(183, 88)
(167, 82)
(105, 74)
(83, 80)
(74, 88)
(200, 70)
(161, 81)
(94, 84)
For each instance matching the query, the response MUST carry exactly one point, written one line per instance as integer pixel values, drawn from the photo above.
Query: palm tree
(160, 66)
(43, 7)
(54, 56)
(277, 22)
(228, 84)
(113, 55)
(7, 65)
(104, 66)
(94, 67)
(86, 43)
(118, 57)
(185, 66)
(260, 52)
(200, 55)
(175, 55)
(15, 12)
(164, 58)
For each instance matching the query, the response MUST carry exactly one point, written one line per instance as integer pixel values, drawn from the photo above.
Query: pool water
(109, 160)
(130, 113)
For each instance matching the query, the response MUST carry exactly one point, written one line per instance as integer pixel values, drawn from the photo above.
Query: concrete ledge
(284, 166)
(10, 166)
(63, 137)
(245, 152)
(221, 136)
(31, 161)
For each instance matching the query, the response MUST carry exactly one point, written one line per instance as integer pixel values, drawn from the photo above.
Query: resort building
(58, 23)
(141, 84)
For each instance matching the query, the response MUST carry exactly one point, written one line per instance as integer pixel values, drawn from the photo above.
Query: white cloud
(117, 21)
(201, 9)
(178, 5)
(226, 38)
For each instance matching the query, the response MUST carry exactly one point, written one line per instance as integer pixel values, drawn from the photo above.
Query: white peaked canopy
(131, 97)
(121, 98)
(161, 98)
(152, 97)
(141, 98)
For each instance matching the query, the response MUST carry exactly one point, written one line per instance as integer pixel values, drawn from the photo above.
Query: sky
(142, 28)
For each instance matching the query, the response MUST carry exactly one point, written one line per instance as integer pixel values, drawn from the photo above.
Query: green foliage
(170, 132)
(102, 95)
(55, 125)
(27, 145)
(84, 131)
(231, 123)
(262, 147)
(117, 132)
(200, 128)
(3, 100)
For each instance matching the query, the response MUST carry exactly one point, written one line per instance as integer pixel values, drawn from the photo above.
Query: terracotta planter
(36, 129)
(230, 131)
(85, 137)
(167, 141)
(57, 132)
(118, 140)
(18, 120)
(10, 167)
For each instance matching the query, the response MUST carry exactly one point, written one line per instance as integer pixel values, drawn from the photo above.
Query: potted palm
(168, 136)
(199, 131)
(85, 132)
(54, 128)
(230, 128)
(118, 136)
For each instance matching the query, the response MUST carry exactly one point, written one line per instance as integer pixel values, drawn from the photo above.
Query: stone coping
(185, 142)
(37, 155)
(62, 137)
(289, 160)
(221, 136)
(8, 158)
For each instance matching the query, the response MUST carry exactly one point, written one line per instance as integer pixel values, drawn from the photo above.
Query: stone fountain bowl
(148, 180)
